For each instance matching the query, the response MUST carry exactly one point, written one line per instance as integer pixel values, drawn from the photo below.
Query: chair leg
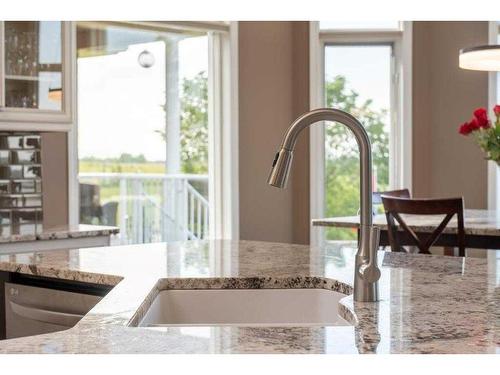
(449, 251)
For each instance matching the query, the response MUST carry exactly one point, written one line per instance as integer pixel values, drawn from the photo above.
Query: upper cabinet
(36, 70)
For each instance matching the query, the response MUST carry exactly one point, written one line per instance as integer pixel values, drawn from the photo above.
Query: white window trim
(223, 143)
(401, 141)
(72, 140)
(223, 126)
(493, 195)
(493, 177)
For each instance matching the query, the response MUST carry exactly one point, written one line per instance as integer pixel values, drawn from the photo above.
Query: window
(358, 81)
(360, 65)
(148, 105)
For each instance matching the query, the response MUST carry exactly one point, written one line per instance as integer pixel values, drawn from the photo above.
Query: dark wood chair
(377, 195)
(377, 206)
(395, 206)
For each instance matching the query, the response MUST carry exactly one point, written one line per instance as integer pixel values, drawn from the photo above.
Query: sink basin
(244, 307)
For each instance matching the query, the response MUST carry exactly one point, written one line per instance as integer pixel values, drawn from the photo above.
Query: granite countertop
(476, 222)
(429, 304)
(63, 232)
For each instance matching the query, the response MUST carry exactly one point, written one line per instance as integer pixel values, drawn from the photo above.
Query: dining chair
(395, 207)
(377, 197)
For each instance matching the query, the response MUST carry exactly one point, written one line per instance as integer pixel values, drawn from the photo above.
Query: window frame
(400, 146)
(493, 170)
(223, 126)
(493, 177)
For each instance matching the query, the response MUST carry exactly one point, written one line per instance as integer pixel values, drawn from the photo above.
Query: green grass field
(116, 167)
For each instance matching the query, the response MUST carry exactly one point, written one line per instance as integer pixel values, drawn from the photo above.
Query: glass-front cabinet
(35, 75)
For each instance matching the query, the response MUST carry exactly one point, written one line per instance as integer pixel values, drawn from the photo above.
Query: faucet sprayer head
(280, 168)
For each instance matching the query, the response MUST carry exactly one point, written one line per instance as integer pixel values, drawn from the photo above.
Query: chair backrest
(449, 207)
(377, 196)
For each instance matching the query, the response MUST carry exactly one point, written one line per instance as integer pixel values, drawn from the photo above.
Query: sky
(366, 68)
(120, 102)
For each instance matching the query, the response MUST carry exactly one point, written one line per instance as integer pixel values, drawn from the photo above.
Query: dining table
(482, 228)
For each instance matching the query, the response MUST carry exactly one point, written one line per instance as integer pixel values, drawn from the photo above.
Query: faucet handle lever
(370, 271)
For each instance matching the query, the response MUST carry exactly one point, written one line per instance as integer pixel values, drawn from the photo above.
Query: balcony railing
(147, 207)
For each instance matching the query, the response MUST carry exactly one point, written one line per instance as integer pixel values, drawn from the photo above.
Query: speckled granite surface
(476, 222)
(430, 304)
(58, 233)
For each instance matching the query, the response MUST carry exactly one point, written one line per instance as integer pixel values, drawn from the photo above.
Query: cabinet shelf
(25, 78)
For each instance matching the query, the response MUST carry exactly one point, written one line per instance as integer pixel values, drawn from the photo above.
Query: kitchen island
(429, 304)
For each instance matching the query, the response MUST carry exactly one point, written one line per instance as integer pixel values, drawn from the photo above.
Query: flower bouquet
(486, 134)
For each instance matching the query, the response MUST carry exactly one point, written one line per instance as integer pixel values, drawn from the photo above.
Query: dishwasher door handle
(46, 316)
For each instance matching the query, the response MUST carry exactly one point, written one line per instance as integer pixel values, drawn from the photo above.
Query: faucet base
(365, 291)
(367, 272)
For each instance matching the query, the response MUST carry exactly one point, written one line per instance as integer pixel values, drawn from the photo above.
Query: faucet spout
(367, 272)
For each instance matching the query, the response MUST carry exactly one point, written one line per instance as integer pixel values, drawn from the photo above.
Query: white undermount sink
(244, 307)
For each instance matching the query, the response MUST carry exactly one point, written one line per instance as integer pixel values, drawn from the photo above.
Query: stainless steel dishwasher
(32, 310)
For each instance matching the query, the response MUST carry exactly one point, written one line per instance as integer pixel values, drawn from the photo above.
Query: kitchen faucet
(366, 272)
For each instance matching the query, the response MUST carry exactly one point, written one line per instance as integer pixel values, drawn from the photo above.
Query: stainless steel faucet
(367, 272)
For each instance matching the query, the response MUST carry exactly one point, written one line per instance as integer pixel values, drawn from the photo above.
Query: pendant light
(486, 58)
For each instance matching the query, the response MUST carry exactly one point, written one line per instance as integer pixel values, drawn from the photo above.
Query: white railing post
(185, 218)
(123, 211)
(140, 211)
(198, 220)
(177, 206)
(165, 225)
(205, 222)
(178, 232)
(137, 211)
(191, 212)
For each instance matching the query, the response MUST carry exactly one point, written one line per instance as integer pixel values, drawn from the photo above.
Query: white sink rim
(242, 307)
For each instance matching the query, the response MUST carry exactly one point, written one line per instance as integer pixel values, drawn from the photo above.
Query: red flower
(480, 120)
(479, 112)
(475, 124)
(469, 127)
(481, 117)
(496, 109)
(465, 129)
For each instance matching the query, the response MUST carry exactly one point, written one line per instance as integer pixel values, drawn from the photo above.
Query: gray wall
(265, 109)
(273, 90)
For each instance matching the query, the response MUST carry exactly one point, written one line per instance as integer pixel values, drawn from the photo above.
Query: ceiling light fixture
(485, 58)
